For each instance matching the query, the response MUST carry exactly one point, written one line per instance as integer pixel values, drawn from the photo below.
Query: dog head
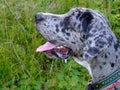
(73, 30)
(67, 30)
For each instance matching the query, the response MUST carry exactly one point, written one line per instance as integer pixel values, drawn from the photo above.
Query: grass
(21, 68)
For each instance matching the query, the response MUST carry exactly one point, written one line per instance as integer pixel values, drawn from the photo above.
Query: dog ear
(86, 19)
(96, 43)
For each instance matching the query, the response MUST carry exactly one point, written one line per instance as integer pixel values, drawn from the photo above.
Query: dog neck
(108, 83)
(106, 63)
(103, 65)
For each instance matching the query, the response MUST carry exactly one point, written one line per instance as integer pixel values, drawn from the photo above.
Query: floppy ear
(97, 39)
(86, 19)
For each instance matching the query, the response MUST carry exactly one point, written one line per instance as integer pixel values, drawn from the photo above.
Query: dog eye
(76, 11)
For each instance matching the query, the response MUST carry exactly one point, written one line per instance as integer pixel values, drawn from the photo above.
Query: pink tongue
(45, 47)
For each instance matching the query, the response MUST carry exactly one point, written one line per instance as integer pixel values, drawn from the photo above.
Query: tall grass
(21, 68)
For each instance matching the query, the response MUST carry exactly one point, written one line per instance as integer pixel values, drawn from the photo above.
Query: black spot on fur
(90, 26)
(66, 21)
(54, 32)
(100, 43)
(55, 19)
(79, 25)
(86, 55)
(75, 23)
(73, 42)
(61, 24)
(104, 63)
(93, 51)
(81, 40)
(89, 42)
(94, 30)
(100, 67)
(112, 64)
(68, 34)
(73, 13)
(108, 53)
(81, 55)
(63, 30)
(84, 36)
(106, 56)
(66, 38)
(89, 35)
(45, 25)
(116, 45)
(104, 32)
(116, 56)
(57, 30)
(86, 19)
(110, 40)
(53, 41)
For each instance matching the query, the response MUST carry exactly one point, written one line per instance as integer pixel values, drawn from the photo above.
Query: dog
(85, 35)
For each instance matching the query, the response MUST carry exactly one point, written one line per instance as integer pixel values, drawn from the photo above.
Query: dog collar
(112, 78)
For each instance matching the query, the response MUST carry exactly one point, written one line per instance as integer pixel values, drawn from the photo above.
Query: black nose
(39, 17)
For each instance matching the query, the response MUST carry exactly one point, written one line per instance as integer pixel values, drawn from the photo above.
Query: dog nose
(39, 17)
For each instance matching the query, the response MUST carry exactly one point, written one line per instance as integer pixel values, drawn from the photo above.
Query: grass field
(21, 68)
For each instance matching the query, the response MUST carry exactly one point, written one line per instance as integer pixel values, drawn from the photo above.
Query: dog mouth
(55, 51)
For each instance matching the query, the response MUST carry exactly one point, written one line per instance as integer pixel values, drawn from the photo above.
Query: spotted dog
(85, 35)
